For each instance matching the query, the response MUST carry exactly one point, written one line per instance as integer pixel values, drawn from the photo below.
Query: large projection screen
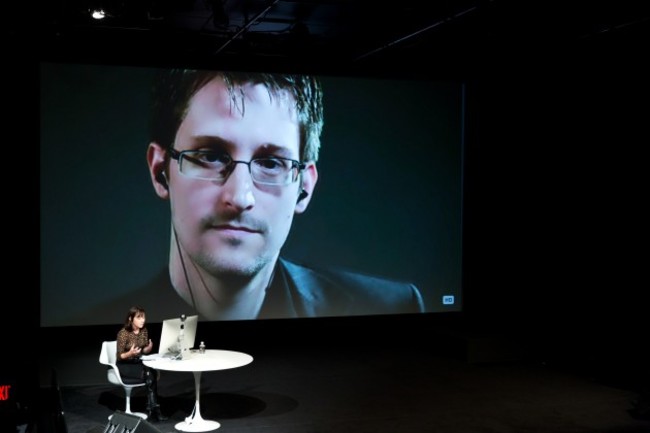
(388, 201)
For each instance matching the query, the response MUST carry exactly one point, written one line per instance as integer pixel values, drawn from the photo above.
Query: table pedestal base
(197, 425)
(195, 422)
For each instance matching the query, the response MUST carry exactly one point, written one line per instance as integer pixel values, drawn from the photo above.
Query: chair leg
(128, 400)
(128, 405)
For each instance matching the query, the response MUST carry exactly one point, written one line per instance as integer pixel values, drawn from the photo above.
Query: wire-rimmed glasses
(217, 166)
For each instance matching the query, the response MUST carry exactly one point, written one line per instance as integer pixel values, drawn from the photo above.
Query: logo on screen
(448, 300)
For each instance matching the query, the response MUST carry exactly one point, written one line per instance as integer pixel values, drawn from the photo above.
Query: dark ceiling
(340, 33)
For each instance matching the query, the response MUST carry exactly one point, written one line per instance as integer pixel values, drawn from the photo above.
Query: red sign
(4, 392)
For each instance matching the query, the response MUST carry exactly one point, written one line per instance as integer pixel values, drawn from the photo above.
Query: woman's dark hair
(133, 312)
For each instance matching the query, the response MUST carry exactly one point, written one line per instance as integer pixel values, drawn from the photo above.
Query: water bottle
(202, 347)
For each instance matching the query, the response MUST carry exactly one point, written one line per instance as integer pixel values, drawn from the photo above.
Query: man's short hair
(174, 89)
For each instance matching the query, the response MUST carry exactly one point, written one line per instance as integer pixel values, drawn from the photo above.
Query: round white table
(197, 363)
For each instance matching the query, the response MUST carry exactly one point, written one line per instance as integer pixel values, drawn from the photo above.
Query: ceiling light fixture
(98, 14)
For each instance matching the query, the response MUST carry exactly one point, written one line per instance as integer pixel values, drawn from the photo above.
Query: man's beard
(230, 272)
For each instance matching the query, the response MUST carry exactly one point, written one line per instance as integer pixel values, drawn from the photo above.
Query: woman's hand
(148, 347)
(133, 351)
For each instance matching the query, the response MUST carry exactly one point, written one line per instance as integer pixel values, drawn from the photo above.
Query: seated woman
(133, 341)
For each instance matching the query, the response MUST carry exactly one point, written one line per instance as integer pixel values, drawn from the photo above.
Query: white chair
(108, 357)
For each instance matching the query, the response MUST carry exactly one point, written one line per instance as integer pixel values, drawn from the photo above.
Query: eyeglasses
(217, 165)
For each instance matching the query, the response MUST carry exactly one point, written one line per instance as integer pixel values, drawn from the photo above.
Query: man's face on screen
(237, 226)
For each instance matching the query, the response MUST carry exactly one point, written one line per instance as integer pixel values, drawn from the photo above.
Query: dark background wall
(558, 183)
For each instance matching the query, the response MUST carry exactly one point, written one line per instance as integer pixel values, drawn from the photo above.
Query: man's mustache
(243, 222)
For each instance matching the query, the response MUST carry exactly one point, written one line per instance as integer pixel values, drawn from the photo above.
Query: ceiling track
(245, 28)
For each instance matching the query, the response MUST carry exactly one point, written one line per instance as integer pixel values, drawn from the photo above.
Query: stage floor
(374, 390)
